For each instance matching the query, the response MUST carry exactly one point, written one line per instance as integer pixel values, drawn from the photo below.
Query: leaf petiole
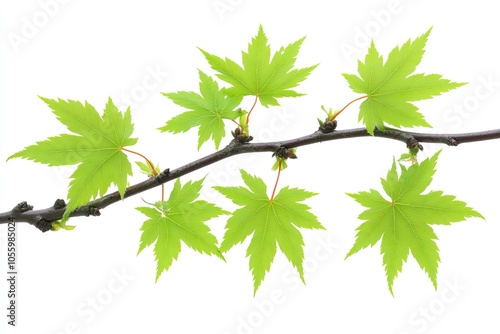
(347, 105)
(277, 179)
(251, 109)
(237, 124)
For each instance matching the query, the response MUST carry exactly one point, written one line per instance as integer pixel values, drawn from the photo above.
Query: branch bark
(42, 219)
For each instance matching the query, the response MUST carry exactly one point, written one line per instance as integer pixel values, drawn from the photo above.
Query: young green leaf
(150, 171)
(270, 222)
(95, 146)
(180, 218)
(261, 76)
(390, 87)
(403, 222)
(206, 111)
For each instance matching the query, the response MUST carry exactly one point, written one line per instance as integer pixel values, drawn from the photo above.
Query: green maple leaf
(207, 111)
(261, 76)
(95, 146)
(180, 218)
(403, 221)
(270, 221)
(390, 87)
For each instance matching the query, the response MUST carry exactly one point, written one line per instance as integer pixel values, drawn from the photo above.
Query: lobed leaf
(263, 77)
(270, 222)
(206, 111)
(181, 218)
(96, 148)
(390, 87)
(402, 222)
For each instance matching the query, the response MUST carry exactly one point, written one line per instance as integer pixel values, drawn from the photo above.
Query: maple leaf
(180, 218)
(261, 76)
(270, 221)
(390, 88)
(206, 111)
(403, 222)
(95, 146)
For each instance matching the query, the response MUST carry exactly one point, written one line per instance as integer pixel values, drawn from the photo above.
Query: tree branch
(42, 218)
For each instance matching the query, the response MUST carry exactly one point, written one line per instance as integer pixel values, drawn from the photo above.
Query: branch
(42, 219)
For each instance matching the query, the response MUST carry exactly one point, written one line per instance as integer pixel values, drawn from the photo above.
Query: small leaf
(57, 225)
(148, 170)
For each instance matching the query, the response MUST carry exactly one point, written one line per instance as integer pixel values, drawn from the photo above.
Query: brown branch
(42, 218)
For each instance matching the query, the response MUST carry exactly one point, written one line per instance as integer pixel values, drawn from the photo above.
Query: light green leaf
(150, 171)
(270, 221)
(180, 218)
(403, 221)
(96, 148)
(261, 76)
(207, 111)
(390, 87)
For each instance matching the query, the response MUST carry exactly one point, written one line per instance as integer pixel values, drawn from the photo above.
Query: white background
(89, 50)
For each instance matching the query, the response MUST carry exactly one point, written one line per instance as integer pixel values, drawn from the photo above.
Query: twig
(42, 218)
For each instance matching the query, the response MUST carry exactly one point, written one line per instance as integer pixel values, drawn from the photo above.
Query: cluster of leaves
(271, 219)
(402, 222)
(265, 78)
